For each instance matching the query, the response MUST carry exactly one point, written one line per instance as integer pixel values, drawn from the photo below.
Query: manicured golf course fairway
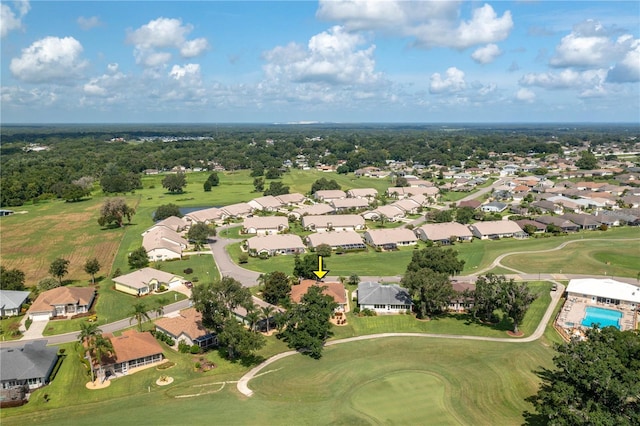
(389, 380)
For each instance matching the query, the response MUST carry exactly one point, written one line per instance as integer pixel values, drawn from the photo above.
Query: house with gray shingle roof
(26, 368)
(11, 302)
(383, 299)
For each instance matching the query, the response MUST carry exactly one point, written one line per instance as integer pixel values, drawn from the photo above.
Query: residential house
(272, 245)
(496, 229)
(584, 221)
(235, 211)
(187, 327)
(132, 349)
(61, 301)
(344, 240)
(564, 224)
(474, 204)
(345, 204)
(494, 207)
(384, 299)
(267, 203)
(368, 193)
(163, 243)
(406, 191)
(407, 205)
(265, 225)
(240, 312)
(206, 216)
(390, 212)
(174, 223)
(390, 239)
(25, 368)
(294, 199)
(461, 303)
(11, 302)
(548, 206)
(312, 210)
(326, 223)
(327, 195)
(145, 281)
(442, 232)
(334, 289)
(539, 226)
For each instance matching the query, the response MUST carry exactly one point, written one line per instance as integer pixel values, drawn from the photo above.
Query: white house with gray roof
(383, 299)
(25, 368)
(11, 302)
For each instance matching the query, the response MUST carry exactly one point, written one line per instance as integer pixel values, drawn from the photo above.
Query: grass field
(392, 380)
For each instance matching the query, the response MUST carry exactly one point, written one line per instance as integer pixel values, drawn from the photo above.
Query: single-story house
(61, 301)
(334, 289)
(494, 207)
(390, 239)
(264, 225)
(145, 281)
(564, 224)
(327, 195)
(206, 216)
(495, 229)
(25, 368)
(362, 193)
(339, 222)
(241, 312)
(460, 303)
(343, 204)
(291, 199)
(11, 302)
(163, 244)
(132, 349)
(383, 299)
(540, 227)
(391, 212)
(605, 291)
(406, 191)
(174, 223)
(267, 203)
(272, 245)
(238, 210)
(584, 221)
(442, 232)
(474, 204)
(407, 205)
(312, 210)
(186, 327)
(345, 240)
(548, 206)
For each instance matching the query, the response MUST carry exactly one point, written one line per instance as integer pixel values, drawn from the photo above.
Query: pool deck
(575, 309)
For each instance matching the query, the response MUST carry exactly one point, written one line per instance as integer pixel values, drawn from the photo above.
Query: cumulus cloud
(153, 39)
(628, 69)
(51, 59)
(111, 84)
(331, 57)
(89, 23)
(430, 23)
(453, 81)
(11, 19)
(187, 71)
(566, 79)
(486, 54)
(525, 95)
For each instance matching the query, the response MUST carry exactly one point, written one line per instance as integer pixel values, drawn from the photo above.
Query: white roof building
(605, 288)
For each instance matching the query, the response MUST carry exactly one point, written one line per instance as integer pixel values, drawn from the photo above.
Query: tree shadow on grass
(250, 360)
(534, 418)
(502, 323)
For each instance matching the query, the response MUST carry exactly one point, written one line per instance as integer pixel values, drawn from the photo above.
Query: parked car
(188, 284)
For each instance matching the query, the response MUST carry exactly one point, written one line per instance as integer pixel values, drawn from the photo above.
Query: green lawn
(397, 380)
(5, 324)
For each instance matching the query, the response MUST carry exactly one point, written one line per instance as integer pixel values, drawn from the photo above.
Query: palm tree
(89, 332)
(160, 306)
(252, 318)
(102, 347)
(267, 311)
(139, 314)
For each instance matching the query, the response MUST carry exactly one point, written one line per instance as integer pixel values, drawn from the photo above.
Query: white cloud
(566, 79)
(486, 54)
(628, 69)
(18, 97)
(109, 85)
(152, 39)
(11, 20)
(431, 23)
(89, 23)
(187, 71)
(452, 82)
(112, 68)
(331, 57)
(525, 95)
(50, 59)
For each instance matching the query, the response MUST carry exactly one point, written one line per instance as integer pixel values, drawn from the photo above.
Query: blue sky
(327, 61)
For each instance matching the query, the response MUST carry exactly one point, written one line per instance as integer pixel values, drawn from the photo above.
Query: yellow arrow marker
(320, 273)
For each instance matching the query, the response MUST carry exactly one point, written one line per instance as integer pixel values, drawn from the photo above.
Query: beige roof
(315, 209)
(62, 296)
(163, 238)
(141, 278)
(390, 236)
(333, 289)
(172, 222)
(389, 211)
(346, 203)
(205, 215)
(406, 205)
(268, 201)
(132, 345)
(265, 222)
(362, 192)
(442, 231)
(328, 194)
(335, 238)
(188, 322)
(275, 242)
(294, 198)
(323, 221)
(237, 209)
(497, 227)
(406, 191)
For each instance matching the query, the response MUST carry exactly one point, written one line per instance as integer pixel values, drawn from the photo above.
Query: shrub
(194, 349)
(183, 347)
(117, 273)
(198, 365)
(243, 258)
(188, 271)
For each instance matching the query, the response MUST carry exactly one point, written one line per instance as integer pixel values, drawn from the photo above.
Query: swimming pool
(604, 317)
